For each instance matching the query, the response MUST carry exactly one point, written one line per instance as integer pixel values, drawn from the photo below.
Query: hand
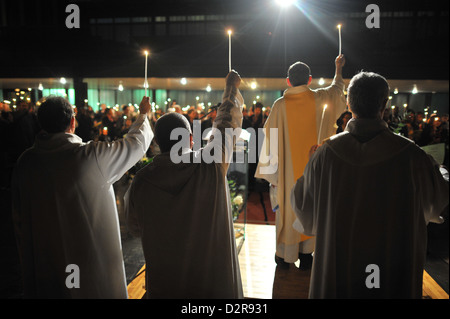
(144, 107)
(233, 79)
(340, 62)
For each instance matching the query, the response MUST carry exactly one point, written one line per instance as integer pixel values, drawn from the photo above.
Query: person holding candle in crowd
(342, 121)
(64, 208)
(367, 196)
(298, 115)
(182, 211)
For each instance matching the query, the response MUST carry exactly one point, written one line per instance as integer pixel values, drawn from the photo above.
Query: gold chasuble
(302, 128)
(296, 117)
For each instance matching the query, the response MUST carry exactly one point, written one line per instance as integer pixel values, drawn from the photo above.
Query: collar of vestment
(46, 141)
(296, 90)
(366, 129)
(367, 142)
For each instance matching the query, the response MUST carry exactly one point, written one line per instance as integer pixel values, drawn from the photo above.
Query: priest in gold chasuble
(300, 122)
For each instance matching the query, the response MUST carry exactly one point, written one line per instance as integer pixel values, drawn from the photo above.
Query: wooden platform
(261, 279)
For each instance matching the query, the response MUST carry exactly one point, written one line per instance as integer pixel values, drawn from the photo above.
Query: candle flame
(146, 52)
(325, 106)
(229, 31)
(339, 26)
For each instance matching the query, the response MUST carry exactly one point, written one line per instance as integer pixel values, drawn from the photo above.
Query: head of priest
(164, 127)
(55, 115)
(367, 95)
(298, 74)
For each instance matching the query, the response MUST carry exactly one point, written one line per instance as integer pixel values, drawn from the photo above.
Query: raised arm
(115, 158)
(228, 121)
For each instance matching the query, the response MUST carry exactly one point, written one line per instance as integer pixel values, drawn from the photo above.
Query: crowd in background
(19, 126)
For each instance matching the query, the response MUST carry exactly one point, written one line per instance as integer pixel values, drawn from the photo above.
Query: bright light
(414, 91)
(230, 32)
(146, 52)
(396, 91)
(339, 26)
(253, 85)
(183, 81)
(41, 87)
(325, 106)
(62, 80)
(321, 81)
(284, 3)
(208, 88)
(120, 88)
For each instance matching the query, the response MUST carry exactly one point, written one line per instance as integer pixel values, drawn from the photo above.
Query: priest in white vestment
(367, 195)
(300, 120)
(182, 209)
(64, 207)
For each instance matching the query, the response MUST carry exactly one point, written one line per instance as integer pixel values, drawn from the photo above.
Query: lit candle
(320, 128)
(105, 131)
(340, 40)
(229, 49)
(146, 63)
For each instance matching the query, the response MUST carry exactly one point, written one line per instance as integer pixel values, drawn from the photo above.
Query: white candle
(229, 49)
(146, 63)
(340, 40)
(320, 128)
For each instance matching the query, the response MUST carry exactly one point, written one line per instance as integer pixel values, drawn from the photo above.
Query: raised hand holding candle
(321, 121)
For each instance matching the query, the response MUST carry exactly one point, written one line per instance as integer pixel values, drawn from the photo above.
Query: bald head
(165, 125)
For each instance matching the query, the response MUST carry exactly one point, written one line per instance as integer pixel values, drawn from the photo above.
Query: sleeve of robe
(302, 198)
(334, 97)
(130, 149)
(434, 190)
(131, 216)
(228, 120)
(268, 160)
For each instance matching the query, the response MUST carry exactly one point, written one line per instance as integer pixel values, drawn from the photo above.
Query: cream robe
(65, 213)
(288, 237)
(182, 212)
(367, 195)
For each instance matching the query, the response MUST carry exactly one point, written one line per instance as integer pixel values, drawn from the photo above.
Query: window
(177, 18)
(140, 20)
(121, 20)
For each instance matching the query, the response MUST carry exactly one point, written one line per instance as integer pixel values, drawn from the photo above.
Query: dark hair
(164, 126)
(367, 94)
(298, 74)
(54, 114)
